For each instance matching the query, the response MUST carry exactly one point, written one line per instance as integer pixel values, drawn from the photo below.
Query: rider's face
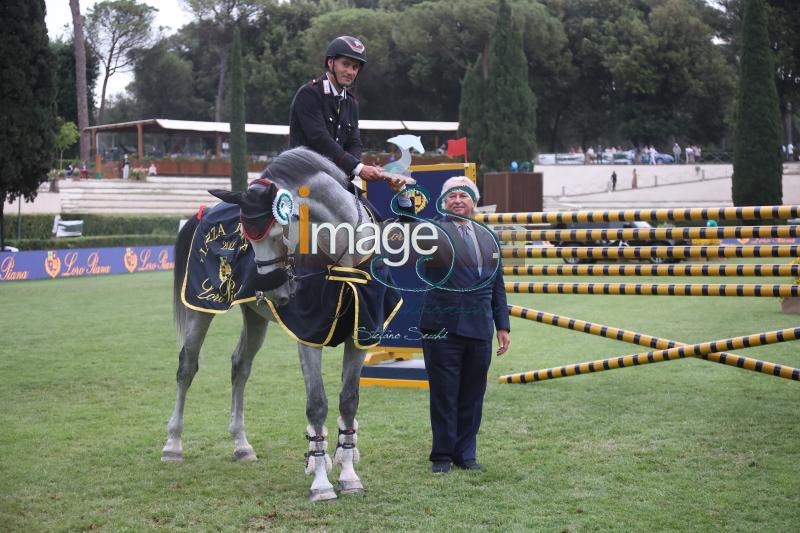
(346, 70)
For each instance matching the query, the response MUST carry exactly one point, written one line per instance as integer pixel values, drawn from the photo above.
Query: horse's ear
(232, 197)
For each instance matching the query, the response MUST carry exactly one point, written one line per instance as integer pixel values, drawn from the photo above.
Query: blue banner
(22, 266)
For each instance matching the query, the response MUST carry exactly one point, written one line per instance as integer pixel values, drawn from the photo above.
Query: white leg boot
(318, 462)
(347, 455)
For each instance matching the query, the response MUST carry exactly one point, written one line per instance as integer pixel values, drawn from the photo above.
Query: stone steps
(157, 195)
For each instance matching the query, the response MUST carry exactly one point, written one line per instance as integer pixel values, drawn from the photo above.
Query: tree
(219, 17)
(757, 165)
(471, 110)
(238, 139)
(66, 94)
(115, 28)
(27, 102)
(784, 35)
(509, 103)
(162, 86)
(66, 137)
(81, 83)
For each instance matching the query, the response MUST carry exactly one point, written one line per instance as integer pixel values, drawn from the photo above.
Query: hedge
(39, 227)
(102, 241)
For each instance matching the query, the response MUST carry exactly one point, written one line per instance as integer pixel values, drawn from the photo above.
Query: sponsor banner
(51, 264)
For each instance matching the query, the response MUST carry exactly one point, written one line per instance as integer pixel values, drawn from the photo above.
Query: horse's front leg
(253, 332)
(318, 462)
(195, 328)
(347, 454)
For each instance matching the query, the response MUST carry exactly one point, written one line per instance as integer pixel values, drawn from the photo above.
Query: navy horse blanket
(330, 303)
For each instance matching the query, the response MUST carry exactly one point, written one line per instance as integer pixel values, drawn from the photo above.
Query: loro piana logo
(52, 264)
(131, 259)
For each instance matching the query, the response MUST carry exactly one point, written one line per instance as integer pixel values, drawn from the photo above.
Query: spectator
(676, 151)
(589, 159)
(69, 170)
(126, 167)
(697, 153)
(84, 171)
(689, 154)
(652, 153)
(790, 152)
(152, 171)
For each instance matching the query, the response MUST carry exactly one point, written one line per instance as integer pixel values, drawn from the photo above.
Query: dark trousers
(457, 368)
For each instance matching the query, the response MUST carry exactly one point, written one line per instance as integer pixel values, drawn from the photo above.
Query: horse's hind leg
(346, 452)
(253, 332)
(195, 328)
(318, 462)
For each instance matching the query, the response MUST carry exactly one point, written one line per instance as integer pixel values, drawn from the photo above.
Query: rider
(324, 115)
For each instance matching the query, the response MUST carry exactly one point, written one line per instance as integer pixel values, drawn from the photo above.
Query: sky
(171, 16)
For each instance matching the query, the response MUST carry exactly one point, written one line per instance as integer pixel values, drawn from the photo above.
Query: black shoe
(440, 467)
(469, 465)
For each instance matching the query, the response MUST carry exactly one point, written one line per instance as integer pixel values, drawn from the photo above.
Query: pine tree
(238, 138)
(757, 165)
(27, 101)
(510, 105)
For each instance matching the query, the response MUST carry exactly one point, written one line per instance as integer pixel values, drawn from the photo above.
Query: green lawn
(87, 384)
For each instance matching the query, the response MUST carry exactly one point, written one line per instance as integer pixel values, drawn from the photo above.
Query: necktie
(464, 229)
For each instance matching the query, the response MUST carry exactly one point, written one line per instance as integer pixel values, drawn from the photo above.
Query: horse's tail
(182, 247)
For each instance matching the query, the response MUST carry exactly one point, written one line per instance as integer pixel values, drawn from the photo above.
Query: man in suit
(459, 321)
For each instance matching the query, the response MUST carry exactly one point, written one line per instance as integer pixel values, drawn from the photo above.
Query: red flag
(457, 147)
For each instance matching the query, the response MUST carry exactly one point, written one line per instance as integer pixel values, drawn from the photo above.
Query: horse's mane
(303, 162)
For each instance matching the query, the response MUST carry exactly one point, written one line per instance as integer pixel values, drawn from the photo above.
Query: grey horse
(298, 171)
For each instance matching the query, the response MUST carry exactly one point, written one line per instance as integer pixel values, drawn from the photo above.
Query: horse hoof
(245, 455)
(171, 457)
(321, 495)
(350, 487)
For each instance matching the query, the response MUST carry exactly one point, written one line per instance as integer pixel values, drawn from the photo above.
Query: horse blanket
(330, 303)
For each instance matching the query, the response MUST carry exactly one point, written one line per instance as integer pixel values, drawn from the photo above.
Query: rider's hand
(396, 185)
(370, 173)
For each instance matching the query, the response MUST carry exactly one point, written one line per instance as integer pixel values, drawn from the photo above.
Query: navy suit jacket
(469, 313)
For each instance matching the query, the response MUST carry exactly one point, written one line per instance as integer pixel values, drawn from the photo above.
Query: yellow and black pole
(693, 350)
(645, 234)
(754, 270)
(610, 332)
(657, 289)
(646, 252)
(671, 215)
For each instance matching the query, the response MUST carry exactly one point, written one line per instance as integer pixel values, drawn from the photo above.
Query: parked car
(661, 159)
(617, 242)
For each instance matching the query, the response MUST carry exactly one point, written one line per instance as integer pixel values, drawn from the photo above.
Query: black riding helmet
(347, 46)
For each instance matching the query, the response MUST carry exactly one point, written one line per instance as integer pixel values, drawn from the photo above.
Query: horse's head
(265, 215)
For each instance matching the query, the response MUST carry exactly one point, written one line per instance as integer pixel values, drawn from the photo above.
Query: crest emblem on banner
(225, 271)
(52, 264)
(131, 259)
(419, 199)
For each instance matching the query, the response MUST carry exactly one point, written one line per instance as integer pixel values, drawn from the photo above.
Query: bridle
(287, 261)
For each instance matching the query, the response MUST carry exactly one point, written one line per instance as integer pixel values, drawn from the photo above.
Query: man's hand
(503, 339)
(369, 173)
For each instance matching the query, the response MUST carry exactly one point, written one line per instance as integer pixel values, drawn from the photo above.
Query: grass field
(87, 384)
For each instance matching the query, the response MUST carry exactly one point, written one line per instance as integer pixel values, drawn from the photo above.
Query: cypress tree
(757, 165)
(471, 108)
(238, 138)
(510, 105)
(27, 101)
